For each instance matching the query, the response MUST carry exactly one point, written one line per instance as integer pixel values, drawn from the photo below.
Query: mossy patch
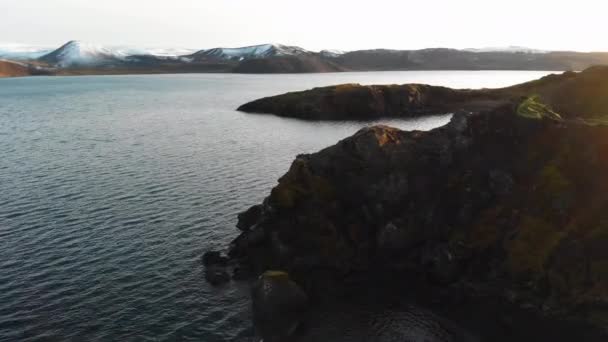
(533, 108)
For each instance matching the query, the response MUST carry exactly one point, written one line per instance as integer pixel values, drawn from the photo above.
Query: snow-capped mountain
(250, 52)
(77, 57)
(21, 51)
(79, 53)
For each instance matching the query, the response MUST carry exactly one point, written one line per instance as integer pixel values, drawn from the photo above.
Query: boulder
(216, 275)
(210, 258)
(279, 304)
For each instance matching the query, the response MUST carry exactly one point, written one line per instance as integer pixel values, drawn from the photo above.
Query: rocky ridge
(507, 201)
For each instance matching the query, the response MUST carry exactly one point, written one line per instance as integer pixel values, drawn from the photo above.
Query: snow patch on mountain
(164, 52)
(332, 53)
(255, 51)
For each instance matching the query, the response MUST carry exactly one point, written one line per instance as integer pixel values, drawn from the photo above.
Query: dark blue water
(112, 187)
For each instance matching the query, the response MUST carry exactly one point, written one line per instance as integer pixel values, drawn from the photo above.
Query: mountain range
(78, 58)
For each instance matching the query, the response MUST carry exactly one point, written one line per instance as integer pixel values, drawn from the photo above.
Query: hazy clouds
(313, 24)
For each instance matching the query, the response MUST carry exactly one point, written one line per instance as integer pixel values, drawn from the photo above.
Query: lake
(111, 188)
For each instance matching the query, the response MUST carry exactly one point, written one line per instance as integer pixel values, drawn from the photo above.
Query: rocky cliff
(509, 201)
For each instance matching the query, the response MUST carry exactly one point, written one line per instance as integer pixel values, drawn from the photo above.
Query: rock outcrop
(278, 306)
(511, 203)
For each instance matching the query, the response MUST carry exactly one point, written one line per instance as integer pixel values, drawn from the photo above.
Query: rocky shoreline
(506, 201)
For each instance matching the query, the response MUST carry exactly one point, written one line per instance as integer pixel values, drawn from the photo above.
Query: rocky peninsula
(506, 201)
(358, 102)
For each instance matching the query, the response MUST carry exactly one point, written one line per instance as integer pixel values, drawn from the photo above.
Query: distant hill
(450, 59)
(12, 69)
(77, 58)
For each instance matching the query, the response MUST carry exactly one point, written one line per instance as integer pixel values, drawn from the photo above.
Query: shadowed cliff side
(573, 94)
(498, 202)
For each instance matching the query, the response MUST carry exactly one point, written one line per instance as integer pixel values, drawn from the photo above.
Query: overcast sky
(312, 24)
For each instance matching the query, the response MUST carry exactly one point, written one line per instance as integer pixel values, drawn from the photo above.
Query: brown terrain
(11, 69)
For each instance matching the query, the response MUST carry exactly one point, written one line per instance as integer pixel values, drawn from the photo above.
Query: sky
(312, 24)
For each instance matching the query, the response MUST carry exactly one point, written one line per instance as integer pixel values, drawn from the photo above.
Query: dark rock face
(491, 198)
(250, 217)
(278, 305)
(211, 258)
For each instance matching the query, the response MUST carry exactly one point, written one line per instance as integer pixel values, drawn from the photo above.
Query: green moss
(530, 249)
(533, 108)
